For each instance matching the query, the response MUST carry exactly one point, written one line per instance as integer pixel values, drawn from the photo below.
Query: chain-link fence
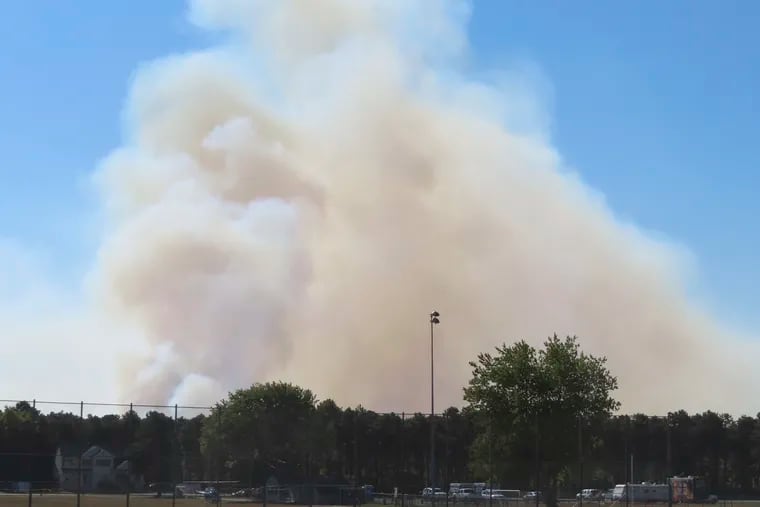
(90, 454)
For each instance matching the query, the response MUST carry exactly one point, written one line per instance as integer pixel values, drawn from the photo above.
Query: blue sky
(652, 104)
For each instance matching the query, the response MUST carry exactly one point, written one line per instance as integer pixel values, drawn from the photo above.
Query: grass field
(94, 500)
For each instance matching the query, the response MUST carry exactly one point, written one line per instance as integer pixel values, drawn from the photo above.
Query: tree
(523, 395)
(261, 431)
(154, 451)
(192, 464)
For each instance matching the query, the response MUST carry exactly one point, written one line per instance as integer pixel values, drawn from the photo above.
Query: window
(103, 462)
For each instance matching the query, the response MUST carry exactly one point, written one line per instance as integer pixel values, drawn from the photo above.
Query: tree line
(534, 419)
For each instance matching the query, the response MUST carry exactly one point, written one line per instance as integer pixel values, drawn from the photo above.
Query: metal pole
(79, 488)
(433, 321)
(538, 464)
(670, 466)
(308, 473)
(174, 460)
(669, 451)
(31, 480)
(356, 448)
(31, 474)
(399, 454)
(580, 461)
(356, 455)
(447, 459)
(219, 455)
(432, 413)
(490, 462)
(625, 470)
(129, 458)
(403, 450)
(633, 499)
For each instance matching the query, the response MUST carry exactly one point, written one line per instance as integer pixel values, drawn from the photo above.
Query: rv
(644, 492)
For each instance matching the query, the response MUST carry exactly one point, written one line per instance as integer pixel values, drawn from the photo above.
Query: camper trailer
(644, 492)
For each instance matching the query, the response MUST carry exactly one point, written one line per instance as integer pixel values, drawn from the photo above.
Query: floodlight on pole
(434, 319)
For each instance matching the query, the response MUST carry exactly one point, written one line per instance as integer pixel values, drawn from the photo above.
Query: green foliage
(262, 429)
(521, 383)
(522, 395)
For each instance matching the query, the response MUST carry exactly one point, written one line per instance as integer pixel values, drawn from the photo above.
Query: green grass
(96, 500)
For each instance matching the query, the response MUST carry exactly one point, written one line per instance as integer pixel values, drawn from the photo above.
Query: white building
(97, 470)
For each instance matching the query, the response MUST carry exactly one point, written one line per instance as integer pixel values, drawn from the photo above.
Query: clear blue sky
(653, 105)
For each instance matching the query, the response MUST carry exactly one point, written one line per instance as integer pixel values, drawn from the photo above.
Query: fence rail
(68, 454)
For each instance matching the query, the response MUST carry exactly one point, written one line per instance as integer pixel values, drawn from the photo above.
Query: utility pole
(434, 319)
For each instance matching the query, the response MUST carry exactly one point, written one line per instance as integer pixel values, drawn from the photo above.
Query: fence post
(356, 449)
(31, 479)
(669, 457)
(490, 463)
(174, 460)
(403, 455)
(81, 451)
(538, 462)
(311, 481)
(446, 478)
(625, 465)
(218, 458)
(129, 458)
(31, 467)
(580, 461)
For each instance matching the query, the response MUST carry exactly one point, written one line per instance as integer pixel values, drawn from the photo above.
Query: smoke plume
(293, 203)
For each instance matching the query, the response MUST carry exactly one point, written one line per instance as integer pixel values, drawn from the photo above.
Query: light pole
(433, 321)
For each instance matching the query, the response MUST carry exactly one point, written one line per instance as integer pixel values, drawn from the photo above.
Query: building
(99, 471)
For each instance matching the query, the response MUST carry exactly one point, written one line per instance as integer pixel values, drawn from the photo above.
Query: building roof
(73, 450)
(123, 466)
(96, 452)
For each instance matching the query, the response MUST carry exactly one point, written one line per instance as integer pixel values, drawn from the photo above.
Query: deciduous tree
(523, 394)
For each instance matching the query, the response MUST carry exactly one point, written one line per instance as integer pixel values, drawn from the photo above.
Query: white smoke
(293, 204)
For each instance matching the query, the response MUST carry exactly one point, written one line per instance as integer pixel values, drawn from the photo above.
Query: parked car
(589, 494)
(246, 493)
(465, 493)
